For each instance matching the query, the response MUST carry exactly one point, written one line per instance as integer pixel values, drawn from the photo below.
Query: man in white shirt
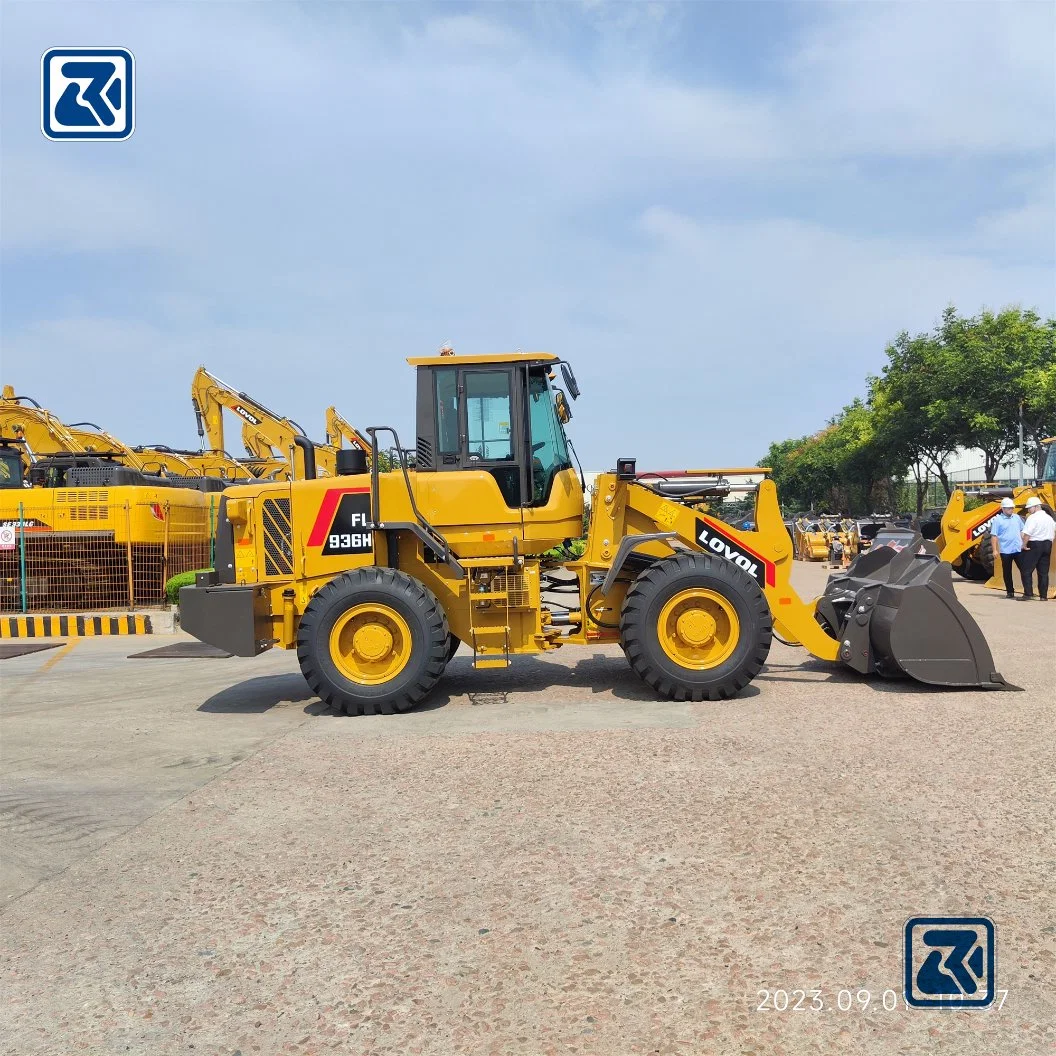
(1038, 531)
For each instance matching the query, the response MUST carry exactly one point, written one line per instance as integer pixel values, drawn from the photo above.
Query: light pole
(1021, 480)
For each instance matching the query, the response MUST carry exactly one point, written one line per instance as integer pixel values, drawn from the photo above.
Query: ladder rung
(492, 661)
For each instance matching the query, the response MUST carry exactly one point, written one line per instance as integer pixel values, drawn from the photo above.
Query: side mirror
(570, 381)
(561, 406)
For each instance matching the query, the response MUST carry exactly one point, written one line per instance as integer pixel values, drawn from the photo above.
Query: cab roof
(498, 357)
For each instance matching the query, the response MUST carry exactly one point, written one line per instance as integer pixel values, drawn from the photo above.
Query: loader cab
(1049, 474)
(496, 414)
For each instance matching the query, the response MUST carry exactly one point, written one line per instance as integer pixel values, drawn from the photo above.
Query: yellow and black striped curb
(73, 626)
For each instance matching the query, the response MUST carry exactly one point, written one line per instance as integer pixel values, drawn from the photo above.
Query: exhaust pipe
(895, 613)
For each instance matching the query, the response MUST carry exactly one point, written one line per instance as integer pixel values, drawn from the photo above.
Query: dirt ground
(199, 858)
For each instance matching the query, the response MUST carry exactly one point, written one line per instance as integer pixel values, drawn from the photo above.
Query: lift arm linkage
(765, 554)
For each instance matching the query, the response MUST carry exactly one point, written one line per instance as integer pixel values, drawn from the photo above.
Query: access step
(491, 661)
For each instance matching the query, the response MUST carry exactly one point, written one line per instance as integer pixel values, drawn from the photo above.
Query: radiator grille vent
(278, 537)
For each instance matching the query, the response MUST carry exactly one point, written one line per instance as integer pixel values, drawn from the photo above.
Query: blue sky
(720, 213)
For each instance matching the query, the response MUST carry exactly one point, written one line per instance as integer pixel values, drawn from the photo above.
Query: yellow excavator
(374, 577)
(339, 430)
(964, 537)
(217, 464)
(277, 446)
(205, 471)
(91, 528)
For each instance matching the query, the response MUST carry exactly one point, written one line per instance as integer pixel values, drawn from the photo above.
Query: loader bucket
(895, 613)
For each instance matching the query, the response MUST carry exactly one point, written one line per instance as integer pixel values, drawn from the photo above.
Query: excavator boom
(267, 435)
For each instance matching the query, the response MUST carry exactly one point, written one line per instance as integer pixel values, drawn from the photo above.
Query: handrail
(422, 529)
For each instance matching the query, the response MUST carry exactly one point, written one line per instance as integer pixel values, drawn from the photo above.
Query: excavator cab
(11, 475)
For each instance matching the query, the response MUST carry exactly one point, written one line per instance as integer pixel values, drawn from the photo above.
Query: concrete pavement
(199, 858)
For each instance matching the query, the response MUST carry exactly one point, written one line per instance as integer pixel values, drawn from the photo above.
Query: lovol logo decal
(981, 529)
(343, 524)
(251, 418)
(716, 541)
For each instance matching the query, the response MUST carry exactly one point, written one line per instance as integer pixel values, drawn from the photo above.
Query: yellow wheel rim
(370, 644)
(698, 628)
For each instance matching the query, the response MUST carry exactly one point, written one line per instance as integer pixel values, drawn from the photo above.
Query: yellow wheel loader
(964, 538)
(374, 578)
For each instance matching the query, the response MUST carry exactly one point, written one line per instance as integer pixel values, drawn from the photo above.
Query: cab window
(447, 409)
(549, 447)
(10, 470)
(488, 416)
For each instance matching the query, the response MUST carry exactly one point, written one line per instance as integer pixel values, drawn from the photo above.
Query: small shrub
(577, 548)
(182, 579)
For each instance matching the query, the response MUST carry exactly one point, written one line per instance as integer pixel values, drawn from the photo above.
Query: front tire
(696, 628)
(372, 641)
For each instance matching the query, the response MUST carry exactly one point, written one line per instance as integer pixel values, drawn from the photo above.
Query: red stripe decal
(325, 517)
(723, 529)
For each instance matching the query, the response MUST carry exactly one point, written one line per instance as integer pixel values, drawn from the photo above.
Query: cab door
(491, 430)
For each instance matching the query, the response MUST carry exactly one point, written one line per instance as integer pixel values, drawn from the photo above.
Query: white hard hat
(1033, 501)
(1007, 504)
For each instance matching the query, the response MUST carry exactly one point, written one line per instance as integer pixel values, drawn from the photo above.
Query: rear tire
(696, 628)
(372, 641)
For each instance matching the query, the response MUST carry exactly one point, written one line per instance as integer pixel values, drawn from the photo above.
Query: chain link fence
(76, 553)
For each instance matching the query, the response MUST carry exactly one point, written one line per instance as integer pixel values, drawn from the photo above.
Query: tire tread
(635, 631)
(369, 579)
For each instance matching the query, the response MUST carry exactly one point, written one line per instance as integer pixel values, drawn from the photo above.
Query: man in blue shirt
(1006, 537)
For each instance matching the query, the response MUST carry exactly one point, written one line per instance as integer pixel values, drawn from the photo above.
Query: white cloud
(328, 188)
(926, 78)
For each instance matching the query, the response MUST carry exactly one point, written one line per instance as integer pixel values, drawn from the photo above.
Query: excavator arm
(39, 430)
(99, 442)
(266, 434)
(339, 430)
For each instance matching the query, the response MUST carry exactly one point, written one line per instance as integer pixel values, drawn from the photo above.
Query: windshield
(549, 446)
(1050, 464)
(10, 469)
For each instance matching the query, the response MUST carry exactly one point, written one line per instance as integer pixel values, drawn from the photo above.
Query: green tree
(963, 386)
(914, 407)
(998, 364)
(849, 466)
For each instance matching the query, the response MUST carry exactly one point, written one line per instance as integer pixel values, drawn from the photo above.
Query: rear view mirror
(570, 381)
(564, 412)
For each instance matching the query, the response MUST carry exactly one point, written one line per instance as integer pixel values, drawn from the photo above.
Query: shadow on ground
(462, 684)
(809, 670)
(263, 693)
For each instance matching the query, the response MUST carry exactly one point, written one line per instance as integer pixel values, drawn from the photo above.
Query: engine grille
(278, 537)
(90, 505)
(517, 590)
